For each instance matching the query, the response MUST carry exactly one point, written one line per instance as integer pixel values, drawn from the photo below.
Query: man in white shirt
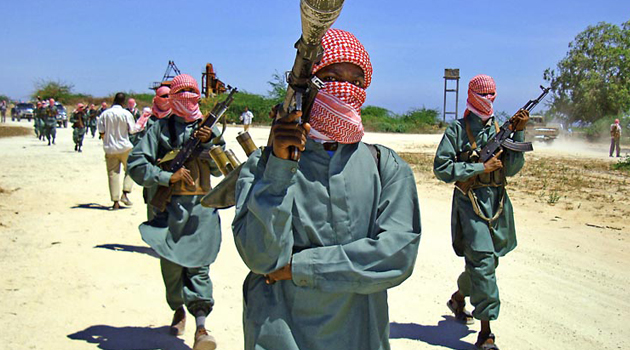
(246, 118)
(114, 126)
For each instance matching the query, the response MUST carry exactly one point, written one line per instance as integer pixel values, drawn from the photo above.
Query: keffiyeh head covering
(481, 94)
(184, 103)
(161, 105)
(336, 112)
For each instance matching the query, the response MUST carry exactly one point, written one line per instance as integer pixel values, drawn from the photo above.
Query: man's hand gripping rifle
(191, 149)
(503, 138)
(317, 17)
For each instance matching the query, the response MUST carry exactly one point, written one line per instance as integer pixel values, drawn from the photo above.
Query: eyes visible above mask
(343, 72)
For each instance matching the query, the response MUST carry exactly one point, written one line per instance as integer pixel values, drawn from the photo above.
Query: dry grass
(10, 131)
(567, 182)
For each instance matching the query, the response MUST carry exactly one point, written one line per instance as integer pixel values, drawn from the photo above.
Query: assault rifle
(190, 149)
(503, 138)
(317, 17)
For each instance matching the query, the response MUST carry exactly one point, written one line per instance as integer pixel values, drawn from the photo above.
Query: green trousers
(77, 135)
(191, 287)
(479, 282)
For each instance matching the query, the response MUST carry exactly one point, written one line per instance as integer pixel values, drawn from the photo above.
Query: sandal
(482, 345)
(461, 314)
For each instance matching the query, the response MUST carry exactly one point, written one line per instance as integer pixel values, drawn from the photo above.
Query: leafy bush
(419, 120)
(257, 104)
(622, 164)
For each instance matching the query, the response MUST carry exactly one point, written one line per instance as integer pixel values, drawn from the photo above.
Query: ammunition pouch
(200, 171)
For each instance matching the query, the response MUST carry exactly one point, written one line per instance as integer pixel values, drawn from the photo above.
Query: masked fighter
(325, 236)
(186, 235)
(482, 220)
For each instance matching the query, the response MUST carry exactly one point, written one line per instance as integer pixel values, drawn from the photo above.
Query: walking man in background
(3, 110)
(132, 107)
(92, 114)
(50, 121)
(615, 137)
(114, 126)
(79, 121)
(482, 218)
(246, 117)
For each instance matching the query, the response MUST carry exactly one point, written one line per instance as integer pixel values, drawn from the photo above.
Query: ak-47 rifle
(317, 17)
(190, 149)
(503, 138)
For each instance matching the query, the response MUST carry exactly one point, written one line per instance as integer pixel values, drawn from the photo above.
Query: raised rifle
(503, 138)
(190, 150)
(317, 17)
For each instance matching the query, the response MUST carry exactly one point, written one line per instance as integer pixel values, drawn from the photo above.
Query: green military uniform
(351, 230)
(135, 138)
(92, 114)
(79, 121)
(147, 192)
(479, 240)
(38, 122)
(50, 123)
(187, 236)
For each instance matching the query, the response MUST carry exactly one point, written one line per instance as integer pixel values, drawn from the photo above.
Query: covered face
(482, 90)
(161, 104)
(347, 71)
(184, 97)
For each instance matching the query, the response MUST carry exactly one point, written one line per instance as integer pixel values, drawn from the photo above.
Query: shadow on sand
(129, 248)
(94, 206)
(447, 333)
(130, 338)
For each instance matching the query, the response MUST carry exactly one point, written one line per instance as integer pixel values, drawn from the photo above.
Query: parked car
(62, 115)
(22, 110)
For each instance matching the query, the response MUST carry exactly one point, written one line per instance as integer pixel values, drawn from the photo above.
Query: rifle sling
(471, 194)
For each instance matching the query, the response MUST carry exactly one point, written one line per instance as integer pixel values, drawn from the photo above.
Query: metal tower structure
(171, 72)
(451, 74)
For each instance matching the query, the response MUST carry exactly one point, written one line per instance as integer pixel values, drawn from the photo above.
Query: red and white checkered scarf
(479, 102)
(185, 104)
(161, 105)
(336, 112)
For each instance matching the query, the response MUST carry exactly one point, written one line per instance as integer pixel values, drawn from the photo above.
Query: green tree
(278, 85)
(58, 90)
(593, 80)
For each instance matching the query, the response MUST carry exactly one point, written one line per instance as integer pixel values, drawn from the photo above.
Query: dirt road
(78, 276)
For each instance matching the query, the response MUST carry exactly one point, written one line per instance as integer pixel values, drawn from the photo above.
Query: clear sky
(106, 46)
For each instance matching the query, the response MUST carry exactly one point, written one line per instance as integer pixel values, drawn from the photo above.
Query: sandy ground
(78, 276)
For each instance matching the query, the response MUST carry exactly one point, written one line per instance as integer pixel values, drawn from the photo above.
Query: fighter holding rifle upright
(186, 235)
(325, 225)
(478, 155)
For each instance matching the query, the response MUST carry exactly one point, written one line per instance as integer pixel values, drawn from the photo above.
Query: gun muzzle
(317, 17)
(246, 142)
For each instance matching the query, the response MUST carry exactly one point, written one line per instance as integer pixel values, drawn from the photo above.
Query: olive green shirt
(467, 228)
